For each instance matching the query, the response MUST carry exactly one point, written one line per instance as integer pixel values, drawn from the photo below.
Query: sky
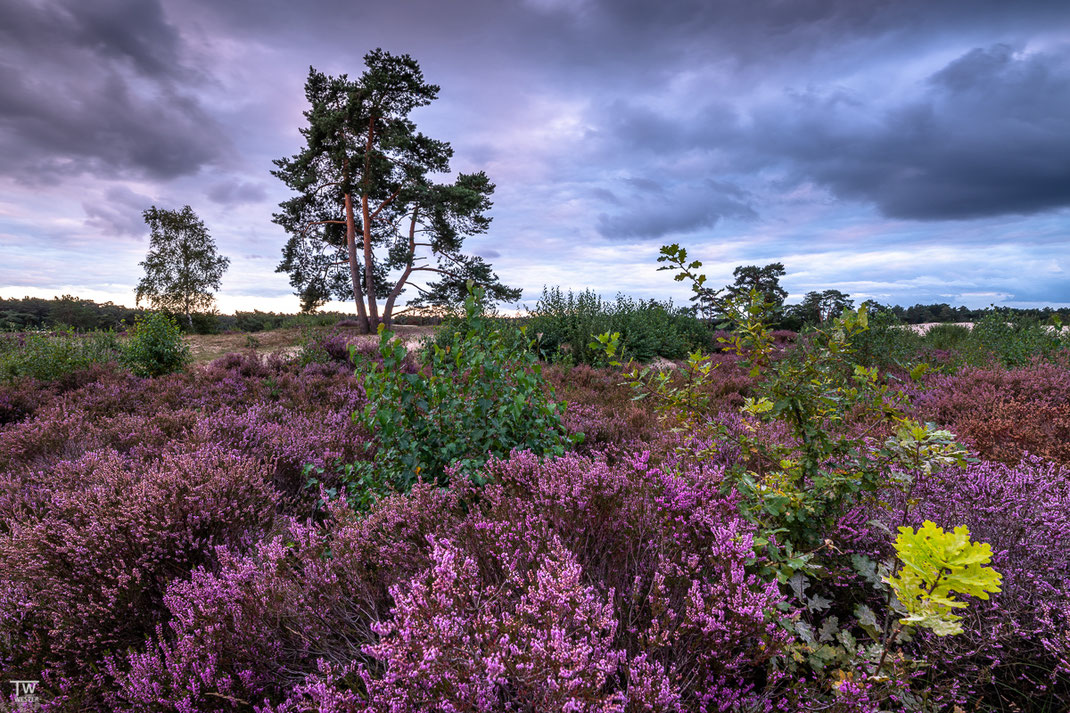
(905, 151)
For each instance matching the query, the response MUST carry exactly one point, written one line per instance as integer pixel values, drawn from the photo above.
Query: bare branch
(384, 204)
(321, 222)
(317, 189)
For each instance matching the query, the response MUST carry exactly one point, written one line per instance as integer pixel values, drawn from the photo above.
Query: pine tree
(367, 206)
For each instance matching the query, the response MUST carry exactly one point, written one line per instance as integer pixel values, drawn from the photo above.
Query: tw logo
(25, 692)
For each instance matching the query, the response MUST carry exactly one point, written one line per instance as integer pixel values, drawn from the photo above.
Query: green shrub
(948, 337)
(565, 325)
(888, 342)
(1014, 343)
(798, 488)
(205, 323)
(155, 346)
(48, 357)
(480, 396)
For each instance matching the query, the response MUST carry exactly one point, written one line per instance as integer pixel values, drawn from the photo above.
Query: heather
(524, 601)
(247, 535)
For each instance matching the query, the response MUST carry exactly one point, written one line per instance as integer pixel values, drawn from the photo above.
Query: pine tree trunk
(388, 309)
(363, 326)
(369, 274)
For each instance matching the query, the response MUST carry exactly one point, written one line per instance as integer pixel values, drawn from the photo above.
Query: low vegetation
(855, 518)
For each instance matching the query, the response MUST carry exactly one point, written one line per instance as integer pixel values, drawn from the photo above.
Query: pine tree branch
(384, 204)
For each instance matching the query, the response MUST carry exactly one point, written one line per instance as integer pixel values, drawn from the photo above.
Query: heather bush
(1002, 413)
(84, 566)
(155, 346)
(569, 584)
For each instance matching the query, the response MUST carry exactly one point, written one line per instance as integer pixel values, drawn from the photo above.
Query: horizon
(908, 154)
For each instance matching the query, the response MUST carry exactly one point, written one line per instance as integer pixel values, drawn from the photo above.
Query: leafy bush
(49, 357)
(483, 396)
(564, 326)
(155, 346)
(203, 322)
(886, 343)
(1015, 343)
(946, 348)
(797, 490)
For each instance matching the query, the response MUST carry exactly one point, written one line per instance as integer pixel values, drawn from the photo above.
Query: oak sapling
(934, 566)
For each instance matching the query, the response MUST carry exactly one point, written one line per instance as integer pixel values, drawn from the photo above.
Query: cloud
(99, 88)
(120, 213)
(807, 131)
(986, 136)
(655, 210)
(236, 192)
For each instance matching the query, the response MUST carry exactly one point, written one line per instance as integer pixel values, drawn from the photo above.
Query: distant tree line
(35, 313)
(38, 313)
(943, 312)
(817, 307)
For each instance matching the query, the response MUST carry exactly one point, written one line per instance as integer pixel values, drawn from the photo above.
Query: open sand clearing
(287, 342)
(926, 326)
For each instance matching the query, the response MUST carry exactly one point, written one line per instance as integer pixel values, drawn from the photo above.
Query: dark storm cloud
(986, 137)
(755, 130)
(657, 211)
(99, 87)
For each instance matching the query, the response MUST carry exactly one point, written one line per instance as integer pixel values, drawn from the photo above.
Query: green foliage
(751, 337)
(764, 280)
(819, 307)
(447, 294)
(482, 395)
(565, 325)
(155, 346)
(936, 565)
(1014, 342)
(677, 394)
(49, 357)
(182, 266)
(36, 313)
(204, 322)
(830, 404)
(716, 305)
(366, 200)
(1009, 338)
(363, 485)
(707, 301)
(887, 342)
(797, 489)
